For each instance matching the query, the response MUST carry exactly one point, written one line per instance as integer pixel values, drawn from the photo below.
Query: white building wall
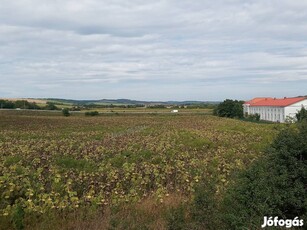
(269, 113)
(275, 113)
(245, 108)
(292, 110)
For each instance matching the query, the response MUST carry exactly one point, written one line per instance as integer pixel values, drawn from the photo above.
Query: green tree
(274, 185)
(24, 104)
(229, 108)
(5, 104)
(51, 106)
(66, 112)
(301, 115)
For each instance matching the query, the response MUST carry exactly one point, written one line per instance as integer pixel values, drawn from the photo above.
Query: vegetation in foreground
(121, 171)
(273, 185)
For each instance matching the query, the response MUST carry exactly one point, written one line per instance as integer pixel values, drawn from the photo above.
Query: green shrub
(274, 185)
(50, 106)
(92, 113)
(205, 212)
(301, 115)
(66, 112)
(252, 117)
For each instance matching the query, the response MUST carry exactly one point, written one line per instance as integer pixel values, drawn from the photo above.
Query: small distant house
(275, 109)
(174, 111)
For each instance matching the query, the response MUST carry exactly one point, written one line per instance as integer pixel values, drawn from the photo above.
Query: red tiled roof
(275, 101)
(257, 99)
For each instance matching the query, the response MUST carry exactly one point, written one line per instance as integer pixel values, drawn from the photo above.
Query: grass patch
(11, 160)
(191, 140)
(67, 162)
(150, 215)
(234, 128)
(131, 157)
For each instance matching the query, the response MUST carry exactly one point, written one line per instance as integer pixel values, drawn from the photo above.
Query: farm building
(275, 109)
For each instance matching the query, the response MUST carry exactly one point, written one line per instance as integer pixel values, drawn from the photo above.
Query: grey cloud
(177, 46)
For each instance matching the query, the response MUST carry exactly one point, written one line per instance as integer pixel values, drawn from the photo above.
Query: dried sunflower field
(50, 162)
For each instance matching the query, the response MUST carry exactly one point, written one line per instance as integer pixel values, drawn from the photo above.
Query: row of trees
(5, 104)
(24, 104)
(66, 113)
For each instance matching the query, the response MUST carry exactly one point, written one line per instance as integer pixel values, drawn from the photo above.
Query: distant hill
(126, 102)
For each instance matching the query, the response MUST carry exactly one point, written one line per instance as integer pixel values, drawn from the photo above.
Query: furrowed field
(115, 171)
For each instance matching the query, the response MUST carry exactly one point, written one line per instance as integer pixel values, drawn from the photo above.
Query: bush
(66, 112)
(205, 205)
(50, 106)
(252, 117)
(92, 113)
(301, 115)
(274, 185)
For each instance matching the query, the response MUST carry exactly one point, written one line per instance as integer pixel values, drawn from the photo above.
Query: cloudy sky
(153, 50)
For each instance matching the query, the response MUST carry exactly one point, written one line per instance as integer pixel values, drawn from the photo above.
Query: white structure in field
(273, 109)
(174, 111)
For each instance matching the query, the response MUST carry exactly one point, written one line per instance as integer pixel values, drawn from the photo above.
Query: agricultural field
(152, 110)
(50, 163)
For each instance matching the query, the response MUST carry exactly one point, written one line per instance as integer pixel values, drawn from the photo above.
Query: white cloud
(178, 47)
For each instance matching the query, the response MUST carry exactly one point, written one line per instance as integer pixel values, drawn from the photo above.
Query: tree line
(24, 104)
